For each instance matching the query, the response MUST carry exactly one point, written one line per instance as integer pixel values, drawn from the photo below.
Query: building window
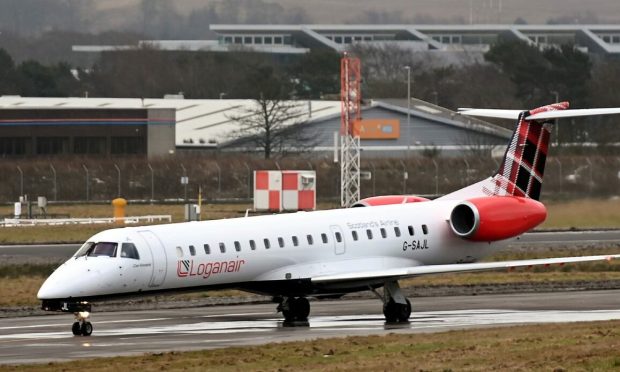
(267, 243)
(128, 145)
(252, 245)
(227, 39)
(268, 40)
(207, 249)
(324, 238)
(222, 248)
(14, 146)
(89, 145)
(247, 40)
(192, 250)
(258, 39)
(281, 242)
(369, 234)
(277, 40)
(347, 39)
(354, 235)
(338, 39)
(52, 145)
(237, 39)
(383, 233)
(424, 229)
(410, 228)
(310, 240)
(295, 241)
(237, 246)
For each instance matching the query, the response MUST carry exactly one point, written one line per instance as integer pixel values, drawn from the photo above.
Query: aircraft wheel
(404, 311)
(76, 329)
(86, 329)
(301, 308)
(390, 311)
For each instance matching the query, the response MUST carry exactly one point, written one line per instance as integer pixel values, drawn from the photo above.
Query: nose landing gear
(81, 326)
(81, 309)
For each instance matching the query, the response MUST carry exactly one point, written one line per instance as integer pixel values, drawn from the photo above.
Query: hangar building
(157, 127)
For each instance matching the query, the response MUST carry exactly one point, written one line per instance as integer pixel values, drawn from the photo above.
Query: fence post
(219, 178)
(152, 182)
(185, 184)
(591, 182)
(557, 160)
(119, 179)
(436, 177)
(21, 181)
(249, 179)
(405, 177)
(374, 178)
(54, 181)
(87, 182)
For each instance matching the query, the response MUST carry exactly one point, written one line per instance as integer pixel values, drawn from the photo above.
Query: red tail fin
(521, 171)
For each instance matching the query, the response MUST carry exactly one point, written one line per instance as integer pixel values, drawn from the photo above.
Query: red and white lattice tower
(350, 99)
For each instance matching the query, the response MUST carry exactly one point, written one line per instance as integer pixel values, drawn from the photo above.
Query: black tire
(390, 311)
(87, 329)
(75, 328)
(301, 308)
(404, 312)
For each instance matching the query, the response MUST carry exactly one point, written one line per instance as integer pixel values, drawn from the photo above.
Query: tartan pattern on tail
(522, 169)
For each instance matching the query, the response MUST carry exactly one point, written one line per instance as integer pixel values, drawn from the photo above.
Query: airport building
(601, 40)
(158, 127)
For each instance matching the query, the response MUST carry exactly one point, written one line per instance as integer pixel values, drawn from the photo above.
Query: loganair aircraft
(327, 253)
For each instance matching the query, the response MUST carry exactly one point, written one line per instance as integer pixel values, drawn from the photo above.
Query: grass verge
(549, 347)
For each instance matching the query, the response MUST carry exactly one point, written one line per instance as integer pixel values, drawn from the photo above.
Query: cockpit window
(91, 249)
(128, 250)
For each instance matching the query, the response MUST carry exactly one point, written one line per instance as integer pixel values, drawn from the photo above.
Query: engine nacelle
(374, 201)
(496, 217)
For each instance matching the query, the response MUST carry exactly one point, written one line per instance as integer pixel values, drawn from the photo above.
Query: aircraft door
(158, 253)
(338, 237)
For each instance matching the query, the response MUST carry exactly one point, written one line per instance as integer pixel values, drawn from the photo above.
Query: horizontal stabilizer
(546, 115)
(406, 272)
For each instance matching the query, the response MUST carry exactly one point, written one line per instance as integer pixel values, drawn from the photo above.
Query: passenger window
(295, 241)
(338, 237)
(310, 240)
(267, 243)
(369, 233)
(424, 229)
(222, 248)
(237, 246)
(396, 231)
(383, 233)
(128, 250)
(252, 245)
(207, 249)
(179, 252)
(354, 235)
(192, 250)
(281, 242)
(324, 238)
(410, 230)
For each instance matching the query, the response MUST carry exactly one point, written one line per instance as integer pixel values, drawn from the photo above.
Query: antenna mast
(350, 99)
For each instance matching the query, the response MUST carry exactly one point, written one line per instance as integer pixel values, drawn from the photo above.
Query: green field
(553, 347)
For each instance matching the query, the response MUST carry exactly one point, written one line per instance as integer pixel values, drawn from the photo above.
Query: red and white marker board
(289, 190)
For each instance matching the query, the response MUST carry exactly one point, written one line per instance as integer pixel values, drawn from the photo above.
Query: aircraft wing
(407, 272)
(557, 114)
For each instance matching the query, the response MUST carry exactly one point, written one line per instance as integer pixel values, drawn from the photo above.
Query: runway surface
(47, 338)
(63, 251)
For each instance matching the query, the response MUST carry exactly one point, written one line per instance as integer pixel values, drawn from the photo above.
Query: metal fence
(230, 178)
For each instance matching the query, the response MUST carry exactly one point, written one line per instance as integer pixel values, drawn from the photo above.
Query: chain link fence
(228, 178)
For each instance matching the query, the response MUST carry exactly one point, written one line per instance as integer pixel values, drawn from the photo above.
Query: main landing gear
(295, 310)
(396, 307)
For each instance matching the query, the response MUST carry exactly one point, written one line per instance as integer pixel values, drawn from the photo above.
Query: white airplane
(325, 253)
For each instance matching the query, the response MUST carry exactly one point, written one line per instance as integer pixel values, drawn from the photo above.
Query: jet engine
(496, 217)
(374, 201)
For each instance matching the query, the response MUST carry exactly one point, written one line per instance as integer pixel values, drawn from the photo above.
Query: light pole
(557, 131)
(408, 68)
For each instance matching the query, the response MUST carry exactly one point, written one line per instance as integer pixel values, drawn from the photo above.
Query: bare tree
(272, 125)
